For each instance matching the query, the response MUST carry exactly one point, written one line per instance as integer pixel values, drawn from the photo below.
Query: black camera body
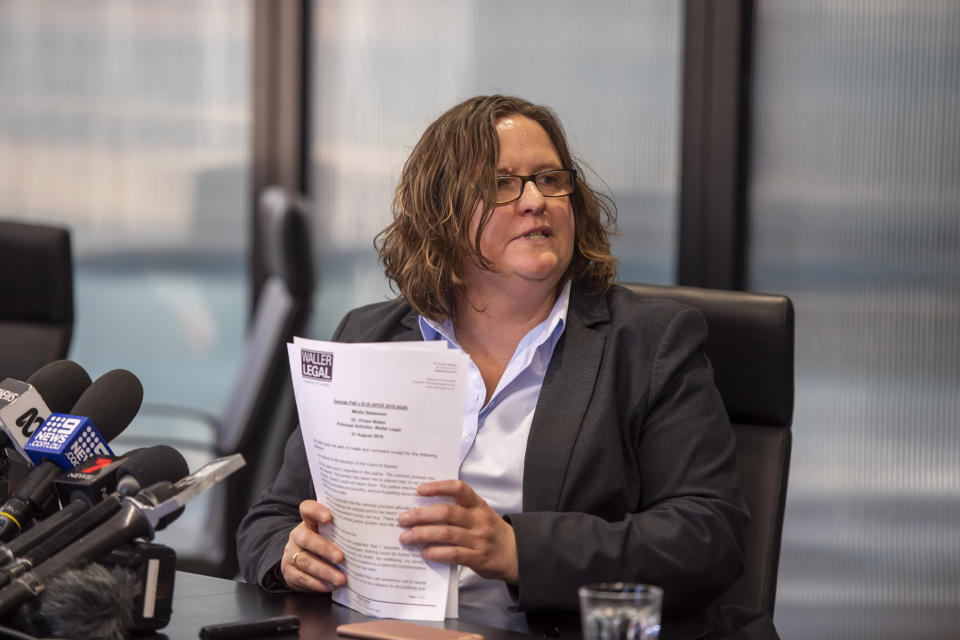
(155, 567)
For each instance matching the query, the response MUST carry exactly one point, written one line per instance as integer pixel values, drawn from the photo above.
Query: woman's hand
(308, 558)
(468, 532)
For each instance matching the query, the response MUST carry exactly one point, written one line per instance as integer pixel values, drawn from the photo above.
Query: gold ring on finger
(293, 560)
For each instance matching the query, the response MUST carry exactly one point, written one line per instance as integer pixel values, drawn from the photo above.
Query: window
(854, 198)
(129, 123)
(382, 71)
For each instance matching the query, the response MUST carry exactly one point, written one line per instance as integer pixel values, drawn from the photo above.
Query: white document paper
(377, 420)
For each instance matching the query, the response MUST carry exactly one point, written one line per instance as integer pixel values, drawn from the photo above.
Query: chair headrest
(286, 240)
(750, 345)
(38, 261)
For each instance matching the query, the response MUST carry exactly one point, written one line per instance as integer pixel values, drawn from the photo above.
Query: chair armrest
(181, 427)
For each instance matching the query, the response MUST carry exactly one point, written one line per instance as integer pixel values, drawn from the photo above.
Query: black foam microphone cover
(60, 384)
(91, 601)
(128, 474)
(111, 402)
(154, 464)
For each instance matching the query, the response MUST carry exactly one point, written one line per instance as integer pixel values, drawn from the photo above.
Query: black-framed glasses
(554, 183)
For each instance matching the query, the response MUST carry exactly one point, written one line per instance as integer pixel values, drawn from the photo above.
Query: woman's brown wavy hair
(450, 171)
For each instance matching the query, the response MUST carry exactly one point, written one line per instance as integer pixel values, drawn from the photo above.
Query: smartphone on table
(396, 630)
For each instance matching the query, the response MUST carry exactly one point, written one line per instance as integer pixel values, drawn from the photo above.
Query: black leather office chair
(750, 345)
(260, 411)
(36, 297)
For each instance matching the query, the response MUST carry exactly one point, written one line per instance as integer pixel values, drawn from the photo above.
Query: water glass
(620, 611)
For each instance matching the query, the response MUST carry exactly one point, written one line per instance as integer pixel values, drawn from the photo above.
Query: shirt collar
(552, 325)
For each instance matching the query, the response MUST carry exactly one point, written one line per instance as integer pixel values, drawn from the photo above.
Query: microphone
(110, 403)
(21, 544)
(64, 440)
(25, 405)
(140, 516)
(123, 594)
(138, 469)
(100, 476)
(91, 602)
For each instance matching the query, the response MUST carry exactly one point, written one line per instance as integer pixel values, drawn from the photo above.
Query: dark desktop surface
(200, 600)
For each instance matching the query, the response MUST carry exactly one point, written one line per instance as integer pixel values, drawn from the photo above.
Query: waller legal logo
(316, 364)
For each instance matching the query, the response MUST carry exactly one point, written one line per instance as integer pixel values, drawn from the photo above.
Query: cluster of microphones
(75, 556)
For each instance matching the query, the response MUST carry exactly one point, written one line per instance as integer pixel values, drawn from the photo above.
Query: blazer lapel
(411, 328)
(564, 397)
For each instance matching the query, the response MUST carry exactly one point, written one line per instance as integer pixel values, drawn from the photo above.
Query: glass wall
(383, 70)
(128, 123)
(856, 215)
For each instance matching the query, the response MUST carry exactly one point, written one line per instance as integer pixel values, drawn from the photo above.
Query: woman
(595, 446)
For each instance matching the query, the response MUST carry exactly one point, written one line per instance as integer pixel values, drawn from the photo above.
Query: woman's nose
(531, 200)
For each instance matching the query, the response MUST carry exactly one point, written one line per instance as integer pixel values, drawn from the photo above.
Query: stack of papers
(377, 420)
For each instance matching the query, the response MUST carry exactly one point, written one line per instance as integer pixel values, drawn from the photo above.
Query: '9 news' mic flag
(67, 440)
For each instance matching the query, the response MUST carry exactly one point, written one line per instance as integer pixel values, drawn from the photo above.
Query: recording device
(127, 593)
(128, 475)
(104, 504)
(154, 566)
(92, 602)
(99, 476)
(23, 543)
(91, 480)
(25, 405)
(34, 495)
(140, 516)
(111, 402)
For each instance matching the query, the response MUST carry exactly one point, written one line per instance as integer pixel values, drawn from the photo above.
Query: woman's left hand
(468, 532)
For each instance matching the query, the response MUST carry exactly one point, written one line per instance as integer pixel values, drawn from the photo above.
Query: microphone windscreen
(111, 402)
(78, 604)
(60, 384)
(153, 464)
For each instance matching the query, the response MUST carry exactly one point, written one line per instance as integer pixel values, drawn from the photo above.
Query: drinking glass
(620, 611)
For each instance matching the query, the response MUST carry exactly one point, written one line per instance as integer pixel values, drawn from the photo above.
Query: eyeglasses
(555, 183)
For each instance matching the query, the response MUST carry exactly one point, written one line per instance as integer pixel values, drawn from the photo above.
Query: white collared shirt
(494, 442)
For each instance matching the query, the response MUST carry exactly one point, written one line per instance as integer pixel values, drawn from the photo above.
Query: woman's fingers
(468, 532)
(308, 558)
(305, 571)
(306, 538)
(462, 493)
(314, 514)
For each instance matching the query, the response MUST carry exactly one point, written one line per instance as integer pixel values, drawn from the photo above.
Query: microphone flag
(67, 440)
(22, 410)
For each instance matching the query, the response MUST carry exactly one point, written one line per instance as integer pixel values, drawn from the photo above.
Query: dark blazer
(629, 473)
